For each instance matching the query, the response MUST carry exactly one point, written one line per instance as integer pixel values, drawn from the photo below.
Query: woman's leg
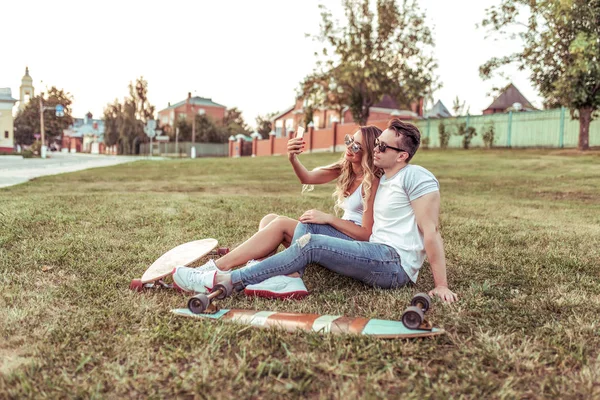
(372, 263)
(261, 244)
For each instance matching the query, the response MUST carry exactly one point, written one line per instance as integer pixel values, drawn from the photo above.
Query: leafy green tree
(207, 131)
(264, 124)
(234, 122)
(124, 122)
(185, 130)
(27, 121)
(561, 48)
(372, 54)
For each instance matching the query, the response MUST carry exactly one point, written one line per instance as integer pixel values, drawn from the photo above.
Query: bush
(444, 135)
(488, 135)
(36, 147)
(27, 154)
(425, 143)
(467, 133)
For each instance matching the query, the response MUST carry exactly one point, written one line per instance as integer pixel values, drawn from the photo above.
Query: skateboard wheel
(223, 289)
(423, 299)
(412, 317)
(136, 285)
(198, 304)
(221, 251)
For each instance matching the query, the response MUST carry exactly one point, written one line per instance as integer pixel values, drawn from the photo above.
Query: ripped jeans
(375, 264)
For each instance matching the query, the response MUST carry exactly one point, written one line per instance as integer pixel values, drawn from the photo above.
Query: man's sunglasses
(382, 147)
(351, 144)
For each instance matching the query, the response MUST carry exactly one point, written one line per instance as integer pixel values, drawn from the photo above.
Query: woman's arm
(316, 176)
(362, 233)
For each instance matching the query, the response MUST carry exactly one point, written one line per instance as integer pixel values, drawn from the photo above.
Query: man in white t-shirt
(405, 230)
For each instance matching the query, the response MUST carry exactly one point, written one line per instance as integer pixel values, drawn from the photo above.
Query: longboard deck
(184, 254)
(334, 324)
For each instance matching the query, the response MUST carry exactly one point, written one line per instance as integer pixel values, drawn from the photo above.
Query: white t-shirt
(395, 223)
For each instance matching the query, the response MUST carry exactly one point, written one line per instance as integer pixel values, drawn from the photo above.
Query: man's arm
(427, 211)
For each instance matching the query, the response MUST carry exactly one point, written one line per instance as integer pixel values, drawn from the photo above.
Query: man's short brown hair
(408, 135)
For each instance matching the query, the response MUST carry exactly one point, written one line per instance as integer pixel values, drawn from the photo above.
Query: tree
(234, 122)
(372, 54)
(207, 131)
(460, 108)
(264, 124)
(561, 47)
(124, 122)
(27, 121)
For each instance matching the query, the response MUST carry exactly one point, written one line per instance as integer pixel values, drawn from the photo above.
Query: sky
(246, 54)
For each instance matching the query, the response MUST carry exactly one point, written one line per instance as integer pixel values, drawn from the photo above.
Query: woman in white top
(357, 181)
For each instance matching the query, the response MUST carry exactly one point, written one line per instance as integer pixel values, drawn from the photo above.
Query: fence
(547, 128)
(184, 149)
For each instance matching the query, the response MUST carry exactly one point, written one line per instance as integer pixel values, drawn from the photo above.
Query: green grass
(522, 239)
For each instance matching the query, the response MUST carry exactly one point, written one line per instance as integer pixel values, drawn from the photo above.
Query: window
(289, 125)
(278, 127)
(5, 134)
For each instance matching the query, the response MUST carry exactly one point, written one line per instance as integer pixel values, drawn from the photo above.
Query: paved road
(14, 170)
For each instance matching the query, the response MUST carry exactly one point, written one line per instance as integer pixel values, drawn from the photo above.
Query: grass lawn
(522, 238)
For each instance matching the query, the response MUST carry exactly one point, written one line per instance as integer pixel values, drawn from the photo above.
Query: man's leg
(372, 263)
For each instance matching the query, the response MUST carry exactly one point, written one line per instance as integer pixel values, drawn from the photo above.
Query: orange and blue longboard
(332, 324)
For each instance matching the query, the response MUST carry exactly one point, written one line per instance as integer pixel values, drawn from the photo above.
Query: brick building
(188, 109)
(386, 109)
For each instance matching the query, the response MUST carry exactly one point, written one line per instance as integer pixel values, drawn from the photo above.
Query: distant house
(187, 109)
(509, 97)
(386, 109)
(86, 135)
(6, 120)
(438, 110)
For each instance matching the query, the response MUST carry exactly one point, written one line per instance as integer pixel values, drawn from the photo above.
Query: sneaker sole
(297, 295)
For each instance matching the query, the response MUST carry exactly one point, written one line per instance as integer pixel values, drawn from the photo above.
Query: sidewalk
(15, 170)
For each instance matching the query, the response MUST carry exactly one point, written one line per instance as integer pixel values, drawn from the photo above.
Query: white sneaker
(278, 287)
(209, 266)
(193, 280)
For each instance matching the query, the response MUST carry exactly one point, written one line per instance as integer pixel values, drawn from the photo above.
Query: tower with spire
(26, 91)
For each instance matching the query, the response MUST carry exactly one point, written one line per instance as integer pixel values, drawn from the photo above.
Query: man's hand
(445, 294)
(315, 217)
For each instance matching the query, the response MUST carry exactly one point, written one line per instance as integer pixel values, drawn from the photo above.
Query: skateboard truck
(414, 316)
(203, 303)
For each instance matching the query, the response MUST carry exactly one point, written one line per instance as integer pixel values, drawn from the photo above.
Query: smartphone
(300, 132)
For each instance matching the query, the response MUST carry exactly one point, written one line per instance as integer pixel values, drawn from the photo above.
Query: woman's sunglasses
(382, 146)
(351, 144)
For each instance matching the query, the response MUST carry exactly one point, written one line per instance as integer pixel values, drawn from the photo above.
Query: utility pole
(177, 141)
(43, 148)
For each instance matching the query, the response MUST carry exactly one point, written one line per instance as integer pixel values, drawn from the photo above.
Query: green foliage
(467, 134)
(489, 134)
(124, 122)
(27, 121)
(234, 123)
(27, 154)
(561, 48)
(425, 143)
(264, 124)
(444, 135)
(385, 50)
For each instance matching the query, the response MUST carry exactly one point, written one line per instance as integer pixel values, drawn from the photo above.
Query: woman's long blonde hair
(348, 177)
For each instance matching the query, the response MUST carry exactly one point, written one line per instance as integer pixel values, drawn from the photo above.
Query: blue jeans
(375, 264)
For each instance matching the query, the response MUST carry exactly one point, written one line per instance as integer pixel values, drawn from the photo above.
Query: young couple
(389, 225)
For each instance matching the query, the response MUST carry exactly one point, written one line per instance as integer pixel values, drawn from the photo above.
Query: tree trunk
(585, 117)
